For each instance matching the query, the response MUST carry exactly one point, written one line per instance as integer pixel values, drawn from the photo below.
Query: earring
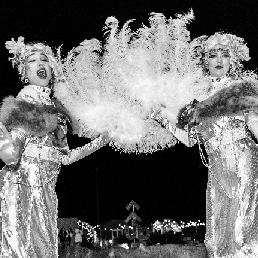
(26, 80)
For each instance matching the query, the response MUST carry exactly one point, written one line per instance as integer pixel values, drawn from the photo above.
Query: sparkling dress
(232, 190)
(28, 198)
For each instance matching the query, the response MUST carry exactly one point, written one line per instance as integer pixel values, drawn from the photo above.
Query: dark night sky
(167, 184)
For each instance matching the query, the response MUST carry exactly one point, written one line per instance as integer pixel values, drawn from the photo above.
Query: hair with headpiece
(20, 52)
(238, 50)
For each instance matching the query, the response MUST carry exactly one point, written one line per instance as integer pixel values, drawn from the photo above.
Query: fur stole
(231, 101)
(35, 119)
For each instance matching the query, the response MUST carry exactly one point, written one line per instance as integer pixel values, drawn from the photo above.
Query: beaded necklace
(43, 93)
(218, 83)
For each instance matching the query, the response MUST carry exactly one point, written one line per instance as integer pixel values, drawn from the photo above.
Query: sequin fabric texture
(29, 202)
(231, 200)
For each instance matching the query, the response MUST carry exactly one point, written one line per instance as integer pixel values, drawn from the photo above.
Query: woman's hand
(105, 138)
(4, 134)
(10, 145)
(188, 115)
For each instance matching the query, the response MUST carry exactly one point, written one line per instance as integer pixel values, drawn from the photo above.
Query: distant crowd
(65, 237)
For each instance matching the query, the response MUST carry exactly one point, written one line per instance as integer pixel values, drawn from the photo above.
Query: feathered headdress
(237, 48)
(20, 51)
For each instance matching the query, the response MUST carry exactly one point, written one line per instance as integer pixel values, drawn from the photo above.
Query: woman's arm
(11, 144)
(251, 120)
(86, 150)
(180, 134)
(185, 117)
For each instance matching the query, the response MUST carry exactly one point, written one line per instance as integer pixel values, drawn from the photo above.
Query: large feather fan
(113, 87)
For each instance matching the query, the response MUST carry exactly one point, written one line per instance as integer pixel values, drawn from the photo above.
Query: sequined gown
(232, 192)
(29, 202)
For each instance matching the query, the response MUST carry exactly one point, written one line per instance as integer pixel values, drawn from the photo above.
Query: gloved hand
(187, 115)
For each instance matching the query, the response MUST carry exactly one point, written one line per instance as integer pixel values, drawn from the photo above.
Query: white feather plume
(113, 88)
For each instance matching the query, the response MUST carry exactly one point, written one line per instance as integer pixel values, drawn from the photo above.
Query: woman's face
(219, 60)
(38, 69)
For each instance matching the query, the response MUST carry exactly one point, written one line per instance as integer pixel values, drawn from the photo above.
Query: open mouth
(219, 67)
(42, 73)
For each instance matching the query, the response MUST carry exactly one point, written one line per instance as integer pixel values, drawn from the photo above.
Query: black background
(167, 184)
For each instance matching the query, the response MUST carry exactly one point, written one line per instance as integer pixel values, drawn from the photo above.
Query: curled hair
(20, 52)
(238, 51)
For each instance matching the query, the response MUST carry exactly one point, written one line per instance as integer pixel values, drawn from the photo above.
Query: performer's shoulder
(28, 93)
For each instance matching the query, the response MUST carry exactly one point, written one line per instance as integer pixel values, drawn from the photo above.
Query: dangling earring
(26, 80)
(50, 84)
(206, 66)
